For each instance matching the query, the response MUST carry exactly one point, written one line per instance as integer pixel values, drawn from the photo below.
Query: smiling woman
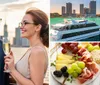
(31, 68)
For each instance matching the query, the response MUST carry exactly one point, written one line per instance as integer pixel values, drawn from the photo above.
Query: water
(96, 20)
(59, 20)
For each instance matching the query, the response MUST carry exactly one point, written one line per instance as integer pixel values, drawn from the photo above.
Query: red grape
(64, 51)
(99, 43)
(71, 46)
(67, 44)
(95, 43)
(75, 43)
(75, 50)
(63, 45)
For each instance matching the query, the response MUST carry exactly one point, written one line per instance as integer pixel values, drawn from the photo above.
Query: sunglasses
(24, 23)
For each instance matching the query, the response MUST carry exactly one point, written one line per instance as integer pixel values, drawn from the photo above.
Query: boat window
(78, 33)
(70, 27)
(82, 25)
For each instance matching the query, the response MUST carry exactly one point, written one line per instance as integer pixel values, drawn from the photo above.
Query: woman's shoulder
(38, 49)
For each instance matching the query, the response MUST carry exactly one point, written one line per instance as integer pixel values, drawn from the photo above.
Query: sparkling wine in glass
(6, 48)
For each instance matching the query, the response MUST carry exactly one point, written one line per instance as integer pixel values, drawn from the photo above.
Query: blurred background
(12, 12)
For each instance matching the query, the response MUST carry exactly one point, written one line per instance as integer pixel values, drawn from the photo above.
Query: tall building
(69, 9)
(25, 42)
(5, 30)
(14, 41)
(81, 9)
(17, 37)
(92, 7)
(74, 11)
(63, 10)
(86, 12)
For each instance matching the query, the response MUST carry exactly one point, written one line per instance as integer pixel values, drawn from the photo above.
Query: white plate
(75, 81)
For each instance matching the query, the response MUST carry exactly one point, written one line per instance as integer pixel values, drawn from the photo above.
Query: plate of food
(75, 63)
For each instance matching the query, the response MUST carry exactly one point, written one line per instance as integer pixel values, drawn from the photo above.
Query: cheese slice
(96, 56)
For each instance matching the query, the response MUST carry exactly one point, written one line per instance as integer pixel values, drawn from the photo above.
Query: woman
(31, 68)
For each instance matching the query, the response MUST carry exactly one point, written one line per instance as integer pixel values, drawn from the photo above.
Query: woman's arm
(36, 65)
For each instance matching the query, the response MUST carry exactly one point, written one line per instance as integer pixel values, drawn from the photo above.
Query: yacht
(74, 30)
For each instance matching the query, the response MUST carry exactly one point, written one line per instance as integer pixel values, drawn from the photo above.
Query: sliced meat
(85, 75)
(86, 56)
(92, 66)
(80, 51)
(82, 80)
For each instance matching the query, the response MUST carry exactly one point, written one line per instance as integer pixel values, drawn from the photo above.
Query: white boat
(74, 30)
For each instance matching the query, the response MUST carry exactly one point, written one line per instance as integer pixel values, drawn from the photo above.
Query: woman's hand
(9, 62)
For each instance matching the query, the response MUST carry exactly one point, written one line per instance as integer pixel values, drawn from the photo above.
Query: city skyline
(57, 4)
(15, 12)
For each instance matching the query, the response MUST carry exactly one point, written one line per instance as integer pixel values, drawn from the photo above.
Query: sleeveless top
(22, 66)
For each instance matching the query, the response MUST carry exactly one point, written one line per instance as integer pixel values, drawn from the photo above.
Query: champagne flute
(6, 48)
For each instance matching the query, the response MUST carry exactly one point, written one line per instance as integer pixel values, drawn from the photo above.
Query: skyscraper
(5, 30)
(17, 37)
(92, 7)
(69, 9)
(74, 11)
(86, 12)
(81, 9)
(25, 42)
(63, 10)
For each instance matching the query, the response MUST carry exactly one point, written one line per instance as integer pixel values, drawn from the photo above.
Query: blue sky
(56, 5)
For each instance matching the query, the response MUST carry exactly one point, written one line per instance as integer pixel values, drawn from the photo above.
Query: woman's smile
(23, 30)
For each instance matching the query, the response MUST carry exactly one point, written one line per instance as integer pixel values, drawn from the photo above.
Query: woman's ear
(38, 28)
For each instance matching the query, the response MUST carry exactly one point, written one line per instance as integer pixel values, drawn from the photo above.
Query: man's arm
(1, 64)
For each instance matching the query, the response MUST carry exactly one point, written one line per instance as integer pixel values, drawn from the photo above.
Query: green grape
(90, 47)
(81, 64)
(96, 47)
(74, 66)
(78, 70)
(70, 70)
(75, 74)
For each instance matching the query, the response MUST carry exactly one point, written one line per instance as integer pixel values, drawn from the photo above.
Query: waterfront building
(86, 12)
(17, 36)
(81, 9)
(92, 7)
(25, 42)
(69, 9)
(63, 11)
